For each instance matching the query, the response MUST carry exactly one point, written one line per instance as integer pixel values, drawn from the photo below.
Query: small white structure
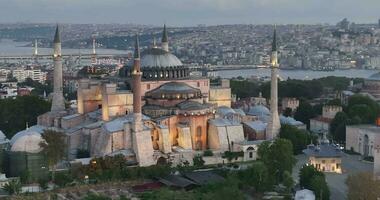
(249, 148)
(304, 194)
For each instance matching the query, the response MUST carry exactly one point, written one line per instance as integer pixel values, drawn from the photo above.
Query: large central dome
(157, 63)
(156, 57)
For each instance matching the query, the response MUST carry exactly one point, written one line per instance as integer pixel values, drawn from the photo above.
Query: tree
(319, 186)
(364, 107)
(287, 180)
(257, 176)
(15, 113)
(304, 113)
(13, 187)
(299, 138)
(338, 127)
(362, 186)
(307, 172)
(277, 156)
(54, 148)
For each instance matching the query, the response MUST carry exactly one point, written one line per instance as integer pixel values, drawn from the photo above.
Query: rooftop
(368, 127)
(323, 151)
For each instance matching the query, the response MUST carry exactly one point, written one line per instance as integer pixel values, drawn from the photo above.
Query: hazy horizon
(188, 12)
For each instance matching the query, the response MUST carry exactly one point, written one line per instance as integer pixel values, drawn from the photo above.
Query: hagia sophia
(167, 116)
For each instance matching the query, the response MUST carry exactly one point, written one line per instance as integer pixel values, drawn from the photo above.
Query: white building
(35, 74)
(362, 139)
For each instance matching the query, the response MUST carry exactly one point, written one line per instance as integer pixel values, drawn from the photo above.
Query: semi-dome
(375, 77)
(224, 110)
(28, 142)
(174, 90)
(156, 57)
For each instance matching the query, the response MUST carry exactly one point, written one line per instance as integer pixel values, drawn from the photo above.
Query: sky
(189, 12)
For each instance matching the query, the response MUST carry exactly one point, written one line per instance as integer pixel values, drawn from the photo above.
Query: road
(351, 164)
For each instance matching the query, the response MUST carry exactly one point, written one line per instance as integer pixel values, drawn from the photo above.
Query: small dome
(259, 110)
(224, 110)
(289, 121)
(156, 57)
(375, 77)
(28, 142)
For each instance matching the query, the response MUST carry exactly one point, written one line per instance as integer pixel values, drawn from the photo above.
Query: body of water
(296, 74)
(12, 48)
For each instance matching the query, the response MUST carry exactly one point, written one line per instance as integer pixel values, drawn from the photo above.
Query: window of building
(148, 86)
(338, 166)
(250, 154)
(323, 161)
(198, 84)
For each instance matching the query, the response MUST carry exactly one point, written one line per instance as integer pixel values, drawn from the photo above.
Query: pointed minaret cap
(164, 35)
(274, 43)
(136, 54)
(57, 36)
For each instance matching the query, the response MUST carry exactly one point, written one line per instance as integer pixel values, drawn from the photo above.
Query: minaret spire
(165, 40)
(274, 125)
(274, 42)
(58, 103)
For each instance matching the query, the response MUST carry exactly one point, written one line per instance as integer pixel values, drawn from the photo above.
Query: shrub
(198, 161)
(208, 152)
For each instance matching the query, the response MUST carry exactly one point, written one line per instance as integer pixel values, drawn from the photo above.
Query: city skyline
(189, 12)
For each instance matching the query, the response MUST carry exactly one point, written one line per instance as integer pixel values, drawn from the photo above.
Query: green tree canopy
(277, 156)
(299, 138)
(15, 113)
(257, 176)
(338, 127)
(305, 112)
(364, 108)
(320, 188)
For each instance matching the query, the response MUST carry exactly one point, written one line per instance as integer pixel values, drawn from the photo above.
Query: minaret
(35, 53)
(141, 139)
(165, 41)
(136, 78)
(274, 126)
(93, 55)
(58, 103)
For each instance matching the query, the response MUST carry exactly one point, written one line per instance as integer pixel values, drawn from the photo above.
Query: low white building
(249, 148)
(362, 138)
